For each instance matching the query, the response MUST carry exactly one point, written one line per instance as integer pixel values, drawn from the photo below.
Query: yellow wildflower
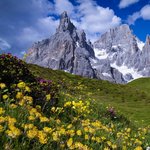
(109, 143)
(55, 136)
(103, 138)
(19, 95)
(28, 99)
(2, 119)
(11, 120)
(13, 106)
(69, 142)
(21, 85)
(58, 121)
(71, 132)
(27, 126)
(48, 97)
(32, 133)
(79, 133)
(53, 109)
(67, 104)
(31, 118)
(14, 132)
(47, 130)
(86, 129)
(62, 131)
(86, 137)
(2, 85)
(114, 146)
(27, 89)
(42, 137)
(93, 138)
(5, 96)
(97, 139)
(128, 130)
(69, 126)
(44, 119)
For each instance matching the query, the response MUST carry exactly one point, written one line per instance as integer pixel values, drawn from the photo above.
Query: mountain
(124, 52)
(118, 56)
(66, 50)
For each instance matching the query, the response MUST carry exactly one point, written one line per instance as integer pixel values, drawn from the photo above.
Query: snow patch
(100, 54)
(93, 63)
(140, 44)
(106, 74)
(115, 46)
(125, 70)
(77, 43)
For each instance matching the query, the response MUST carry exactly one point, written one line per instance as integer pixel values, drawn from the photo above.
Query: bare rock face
(125, 53)
(66, 50)
(118, 56)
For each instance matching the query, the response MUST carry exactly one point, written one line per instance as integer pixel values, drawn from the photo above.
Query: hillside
(44, 109)
(133, 99)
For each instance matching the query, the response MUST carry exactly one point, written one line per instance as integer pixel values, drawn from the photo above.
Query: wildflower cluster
(68, 125)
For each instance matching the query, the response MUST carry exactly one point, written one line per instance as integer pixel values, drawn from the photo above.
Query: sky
(23, 22)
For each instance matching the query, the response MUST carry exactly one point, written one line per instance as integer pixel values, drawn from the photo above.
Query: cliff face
(118, 56)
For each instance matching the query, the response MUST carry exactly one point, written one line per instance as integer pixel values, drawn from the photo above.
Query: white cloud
(132, 18)
(4, 45)
(126, 3)
(144, 13)
(63, 5)
(96, 19)
(44, 28)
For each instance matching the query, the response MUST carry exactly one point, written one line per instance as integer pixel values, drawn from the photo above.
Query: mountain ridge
(117, 56)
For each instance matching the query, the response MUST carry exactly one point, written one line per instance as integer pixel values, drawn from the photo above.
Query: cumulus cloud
(24, 22)
(61, 5)
(143, 13)
(126, 3)
(96, 19)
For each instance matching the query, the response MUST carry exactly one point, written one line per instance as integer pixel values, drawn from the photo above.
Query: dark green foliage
(13, 69)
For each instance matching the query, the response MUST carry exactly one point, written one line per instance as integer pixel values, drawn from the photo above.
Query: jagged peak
(65, 23)
(148, 39)
(122, 27)
(64, 15)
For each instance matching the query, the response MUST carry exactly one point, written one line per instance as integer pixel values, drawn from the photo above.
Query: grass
(132, 100)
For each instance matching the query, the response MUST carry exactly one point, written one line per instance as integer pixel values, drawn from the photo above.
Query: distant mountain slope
(118, 56)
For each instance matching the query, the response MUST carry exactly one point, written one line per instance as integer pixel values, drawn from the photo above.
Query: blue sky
(24, 22)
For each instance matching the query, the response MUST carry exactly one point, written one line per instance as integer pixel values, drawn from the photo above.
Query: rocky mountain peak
(65, 23)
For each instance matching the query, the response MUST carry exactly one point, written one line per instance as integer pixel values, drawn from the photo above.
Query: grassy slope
(133, 99)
